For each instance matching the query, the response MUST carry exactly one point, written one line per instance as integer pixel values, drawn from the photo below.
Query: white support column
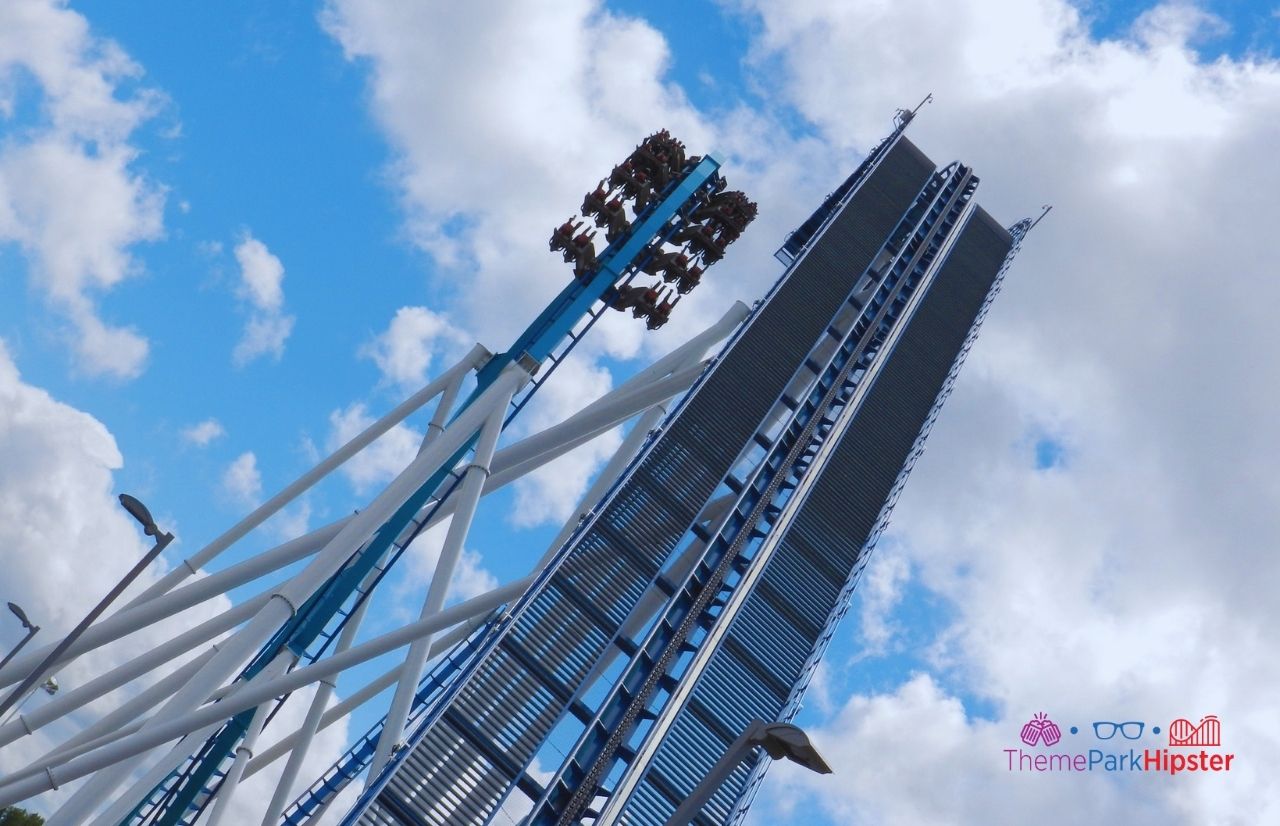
(669, 376)
(110, 729)
(129, 620)
(90, 796)
(443, 408)
(697, 346)
(378, 684)
(130, 710)
(227, 791)
(154, 774)
(65, 753)
(143, 663)
(467, 497)
(514, 461)
(326, 466)
(311, 724)
(105, 743)
(84, 744)
(249, 695)
(293, 593)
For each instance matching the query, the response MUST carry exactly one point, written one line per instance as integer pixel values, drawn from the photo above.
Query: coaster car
(634, 298)
(582, 252)
(674, 268)
(607, 212)
(730, 210)
(689, 279)
(562, 236)
(702, 241)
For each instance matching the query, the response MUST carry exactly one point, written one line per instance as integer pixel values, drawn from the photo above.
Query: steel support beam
(311, 724)
(290, 595)
(466, 499)
(250, 695)
(326, 466)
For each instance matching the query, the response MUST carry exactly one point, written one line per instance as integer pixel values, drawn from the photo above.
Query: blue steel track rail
(182, 796)
(497, 629)
(358, 757)
(578, 782)
(948, 191)
(792, 708)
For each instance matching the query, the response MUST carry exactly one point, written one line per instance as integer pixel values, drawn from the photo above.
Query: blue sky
(386, 159)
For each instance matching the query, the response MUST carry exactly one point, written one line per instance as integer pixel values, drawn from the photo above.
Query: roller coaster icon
(1183, 733)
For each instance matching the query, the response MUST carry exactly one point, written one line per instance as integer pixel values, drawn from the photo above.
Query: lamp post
(779, 740)
(31, 632)
(139, 512)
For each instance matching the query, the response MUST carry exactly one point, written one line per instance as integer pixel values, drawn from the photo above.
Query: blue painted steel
(530, 691)
(718, 719)
(539, 340)
(559, 318)
(357, 758)
(760, 766)
(760, 499)
(171, 802)
(543, 586)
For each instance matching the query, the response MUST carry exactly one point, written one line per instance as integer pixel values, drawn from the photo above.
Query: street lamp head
(785, 740)
(139, 512)
(21, 615)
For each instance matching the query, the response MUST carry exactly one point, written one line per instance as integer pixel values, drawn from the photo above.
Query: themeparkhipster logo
(1191, 747)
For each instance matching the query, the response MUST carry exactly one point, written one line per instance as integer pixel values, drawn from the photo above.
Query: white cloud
(546, 110)
(242, 482)
(260, 274)
(879, 593)
(404, 352)
(67, 542)
(264, 335)
(70, 195)
(268, 327)
(1134, 328)
(1130, 580)
(202, 433)
(381, 461)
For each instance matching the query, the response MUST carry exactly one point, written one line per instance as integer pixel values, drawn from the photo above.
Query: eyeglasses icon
(1105, 730)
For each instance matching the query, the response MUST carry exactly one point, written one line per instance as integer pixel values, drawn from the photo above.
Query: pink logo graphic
(1208, 733)
(1040, 729)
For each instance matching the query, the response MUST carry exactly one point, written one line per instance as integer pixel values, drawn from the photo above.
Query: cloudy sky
(231, 234)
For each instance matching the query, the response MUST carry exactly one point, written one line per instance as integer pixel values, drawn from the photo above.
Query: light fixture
(22, 615)
(778, 740)
(139, 512)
